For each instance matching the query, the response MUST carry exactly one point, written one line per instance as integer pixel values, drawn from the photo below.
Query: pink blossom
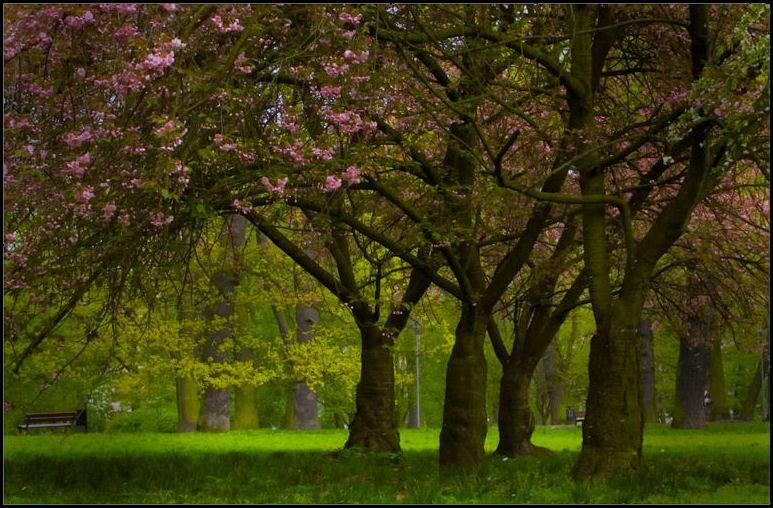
(228, 147)
(280, 185)
(86, 194)
(80, 21)
(74, 141)
(323, 154)
(330, 92)
(352, 174)
(241, 208)
(157, 61)
(169, 7)
(332, 183)
(108, 211)
(348, 18)
(127, 31)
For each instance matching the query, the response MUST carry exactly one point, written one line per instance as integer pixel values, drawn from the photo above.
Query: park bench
(76, 420)
(575, 416)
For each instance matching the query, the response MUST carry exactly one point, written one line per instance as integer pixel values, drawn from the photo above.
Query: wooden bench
(575, 416)
(75, 420)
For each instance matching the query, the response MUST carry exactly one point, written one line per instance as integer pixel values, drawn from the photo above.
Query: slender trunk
(304, 398)
(516, 420)
(747, 412)
(374, 426)
(464, 414)
(692, 382)
(649, 397)
(557, 392)
(720, 409)
(187, 404)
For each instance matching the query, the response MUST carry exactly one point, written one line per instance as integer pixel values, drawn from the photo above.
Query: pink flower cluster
(351, 55)
(80, 21)
(348, 18)
(74, 141)
(78, 166)
(350, 122)
(278, 188)
(157, 61)
(352, 174)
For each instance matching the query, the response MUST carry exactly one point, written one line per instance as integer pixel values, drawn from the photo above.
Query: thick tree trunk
(375, 424)
(464, 415)
(246, 399)
(187, 404)
(215, 410)
(304, 398)
(719, 410)
(692, 381)
(516, 419)
(613, 427)
(649, 397)
(215, 415)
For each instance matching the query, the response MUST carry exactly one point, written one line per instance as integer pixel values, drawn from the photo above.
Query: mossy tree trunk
(612, 432)
(464, 413)
(720, 409)
(215, 413)
(187, 404)
(692, 380)
(649, 397)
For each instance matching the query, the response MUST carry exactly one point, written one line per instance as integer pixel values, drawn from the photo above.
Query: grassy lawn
(728, 463)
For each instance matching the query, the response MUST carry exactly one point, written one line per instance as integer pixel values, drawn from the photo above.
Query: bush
(153, 417)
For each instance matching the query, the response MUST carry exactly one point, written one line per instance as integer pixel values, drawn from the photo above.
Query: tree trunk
(245, 394)
(649, 397)
(215, 411)
(557, 393)
(692, 382)
(613, 427)
(375, 424)
(464, 414)
(246, 399)
(516, 419)
(747, 412)
(719, 409)
(187, 404)
(304, 398)
(215, 415)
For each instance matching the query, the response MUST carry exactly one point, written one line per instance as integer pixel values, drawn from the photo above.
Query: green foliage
(154, 417)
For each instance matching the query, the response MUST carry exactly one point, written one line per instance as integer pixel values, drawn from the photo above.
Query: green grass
(728, 463)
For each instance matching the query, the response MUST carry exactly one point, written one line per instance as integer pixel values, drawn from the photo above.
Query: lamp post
(416, 329)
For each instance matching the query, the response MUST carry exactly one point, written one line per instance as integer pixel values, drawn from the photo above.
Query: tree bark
(464, 414)
(516, 419)
(692, 380)
(304, 398)
(374, 426)
(246, 399)
(557, 393)
(215, 415)
(187, 404)
(720, 409)
(613, 427)
(649, 397)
